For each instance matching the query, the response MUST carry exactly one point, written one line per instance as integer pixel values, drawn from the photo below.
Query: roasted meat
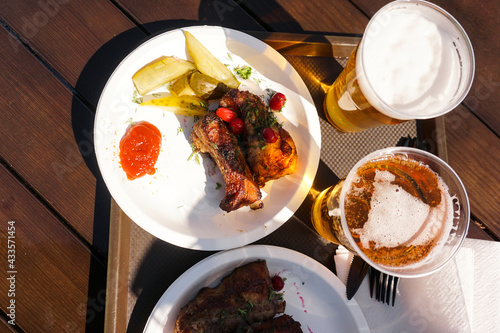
(211, 135)
(267, 161)
(243, 298)
(281, 324)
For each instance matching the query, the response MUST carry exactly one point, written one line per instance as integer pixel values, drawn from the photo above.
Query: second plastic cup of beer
(403, 210)
(414, 61)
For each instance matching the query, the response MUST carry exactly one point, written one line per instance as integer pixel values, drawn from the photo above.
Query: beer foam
(408, 64)
(398, 218)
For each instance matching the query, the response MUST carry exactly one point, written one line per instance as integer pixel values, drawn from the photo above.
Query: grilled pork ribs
(242, 302)
(267, 161)
(211, 135)
(281, 324)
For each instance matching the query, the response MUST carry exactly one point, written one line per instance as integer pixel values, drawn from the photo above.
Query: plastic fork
(384, 286)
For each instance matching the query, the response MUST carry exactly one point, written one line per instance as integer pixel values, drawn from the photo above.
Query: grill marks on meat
(267, 161)
(242, 298)
(281, 324)
(246, 165)
(211, 135)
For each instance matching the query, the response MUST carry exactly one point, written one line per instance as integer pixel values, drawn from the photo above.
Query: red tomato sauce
(139, 149)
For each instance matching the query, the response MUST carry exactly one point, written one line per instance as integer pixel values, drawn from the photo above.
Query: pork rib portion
(281, 324)
(267, 161)
(210, 135)
(242, 298)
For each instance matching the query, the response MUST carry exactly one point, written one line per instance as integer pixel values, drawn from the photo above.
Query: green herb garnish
(195, 154)
(136, 98)
(244, 71)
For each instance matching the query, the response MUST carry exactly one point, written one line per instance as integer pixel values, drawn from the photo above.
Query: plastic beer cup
(403, 210)
(414, 61)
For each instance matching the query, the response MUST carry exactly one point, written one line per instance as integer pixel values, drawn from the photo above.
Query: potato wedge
(207, 87)
(182, 105)
(181, 87)
(160, 71)
(207, 63)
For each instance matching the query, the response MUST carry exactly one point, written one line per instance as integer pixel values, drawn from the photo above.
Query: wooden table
(56, 56)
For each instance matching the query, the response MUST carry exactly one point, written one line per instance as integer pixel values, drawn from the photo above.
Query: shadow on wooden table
(86, 94)
(88, 89)
(85, 98)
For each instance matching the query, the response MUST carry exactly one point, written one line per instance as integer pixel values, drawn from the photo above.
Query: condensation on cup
(414, 61)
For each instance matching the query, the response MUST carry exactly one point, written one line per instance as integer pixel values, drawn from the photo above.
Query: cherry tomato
(277, 102)
(237, 125)
(269, 135)
(278, 283)
(226, 114)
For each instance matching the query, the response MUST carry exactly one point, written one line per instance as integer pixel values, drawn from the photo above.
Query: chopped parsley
(222, 318)
(244, 71)
(260, 120)
(136, 98)
(257, 81)
(270, 93)
(273, 294)
(195, 154)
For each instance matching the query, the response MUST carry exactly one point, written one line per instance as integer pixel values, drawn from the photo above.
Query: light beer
(398, 210)
(402, 210)
(414, 62)
(347, 108)
(325, 219)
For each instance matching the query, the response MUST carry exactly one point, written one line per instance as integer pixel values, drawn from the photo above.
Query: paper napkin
(461, 297)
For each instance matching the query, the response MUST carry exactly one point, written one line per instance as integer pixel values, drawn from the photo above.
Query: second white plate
(314, 296)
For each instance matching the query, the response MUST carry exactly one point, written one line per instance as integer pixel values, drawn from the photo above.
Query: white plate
(180, 203)
(314, 295)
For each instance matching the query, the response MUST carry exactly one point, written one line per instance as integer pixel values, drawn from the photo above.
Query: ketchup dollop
(139, 149)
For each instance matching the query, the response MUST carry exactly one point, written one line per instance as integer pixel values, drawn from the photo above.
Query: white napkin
(461, 297)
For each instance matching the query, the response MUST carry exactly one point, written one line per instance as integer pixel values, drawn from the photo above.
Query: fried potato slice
(207, 63)
(159, 72)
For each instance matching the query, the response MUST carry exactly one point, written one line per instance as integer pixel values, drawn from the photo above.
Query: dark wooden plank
(65, 33)
(338, 16)
(45, 136)
(157, 17)
(83, 41)
(477, 231)
(480, 21)
(474, 153)
(51, 267)
(6, 327)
